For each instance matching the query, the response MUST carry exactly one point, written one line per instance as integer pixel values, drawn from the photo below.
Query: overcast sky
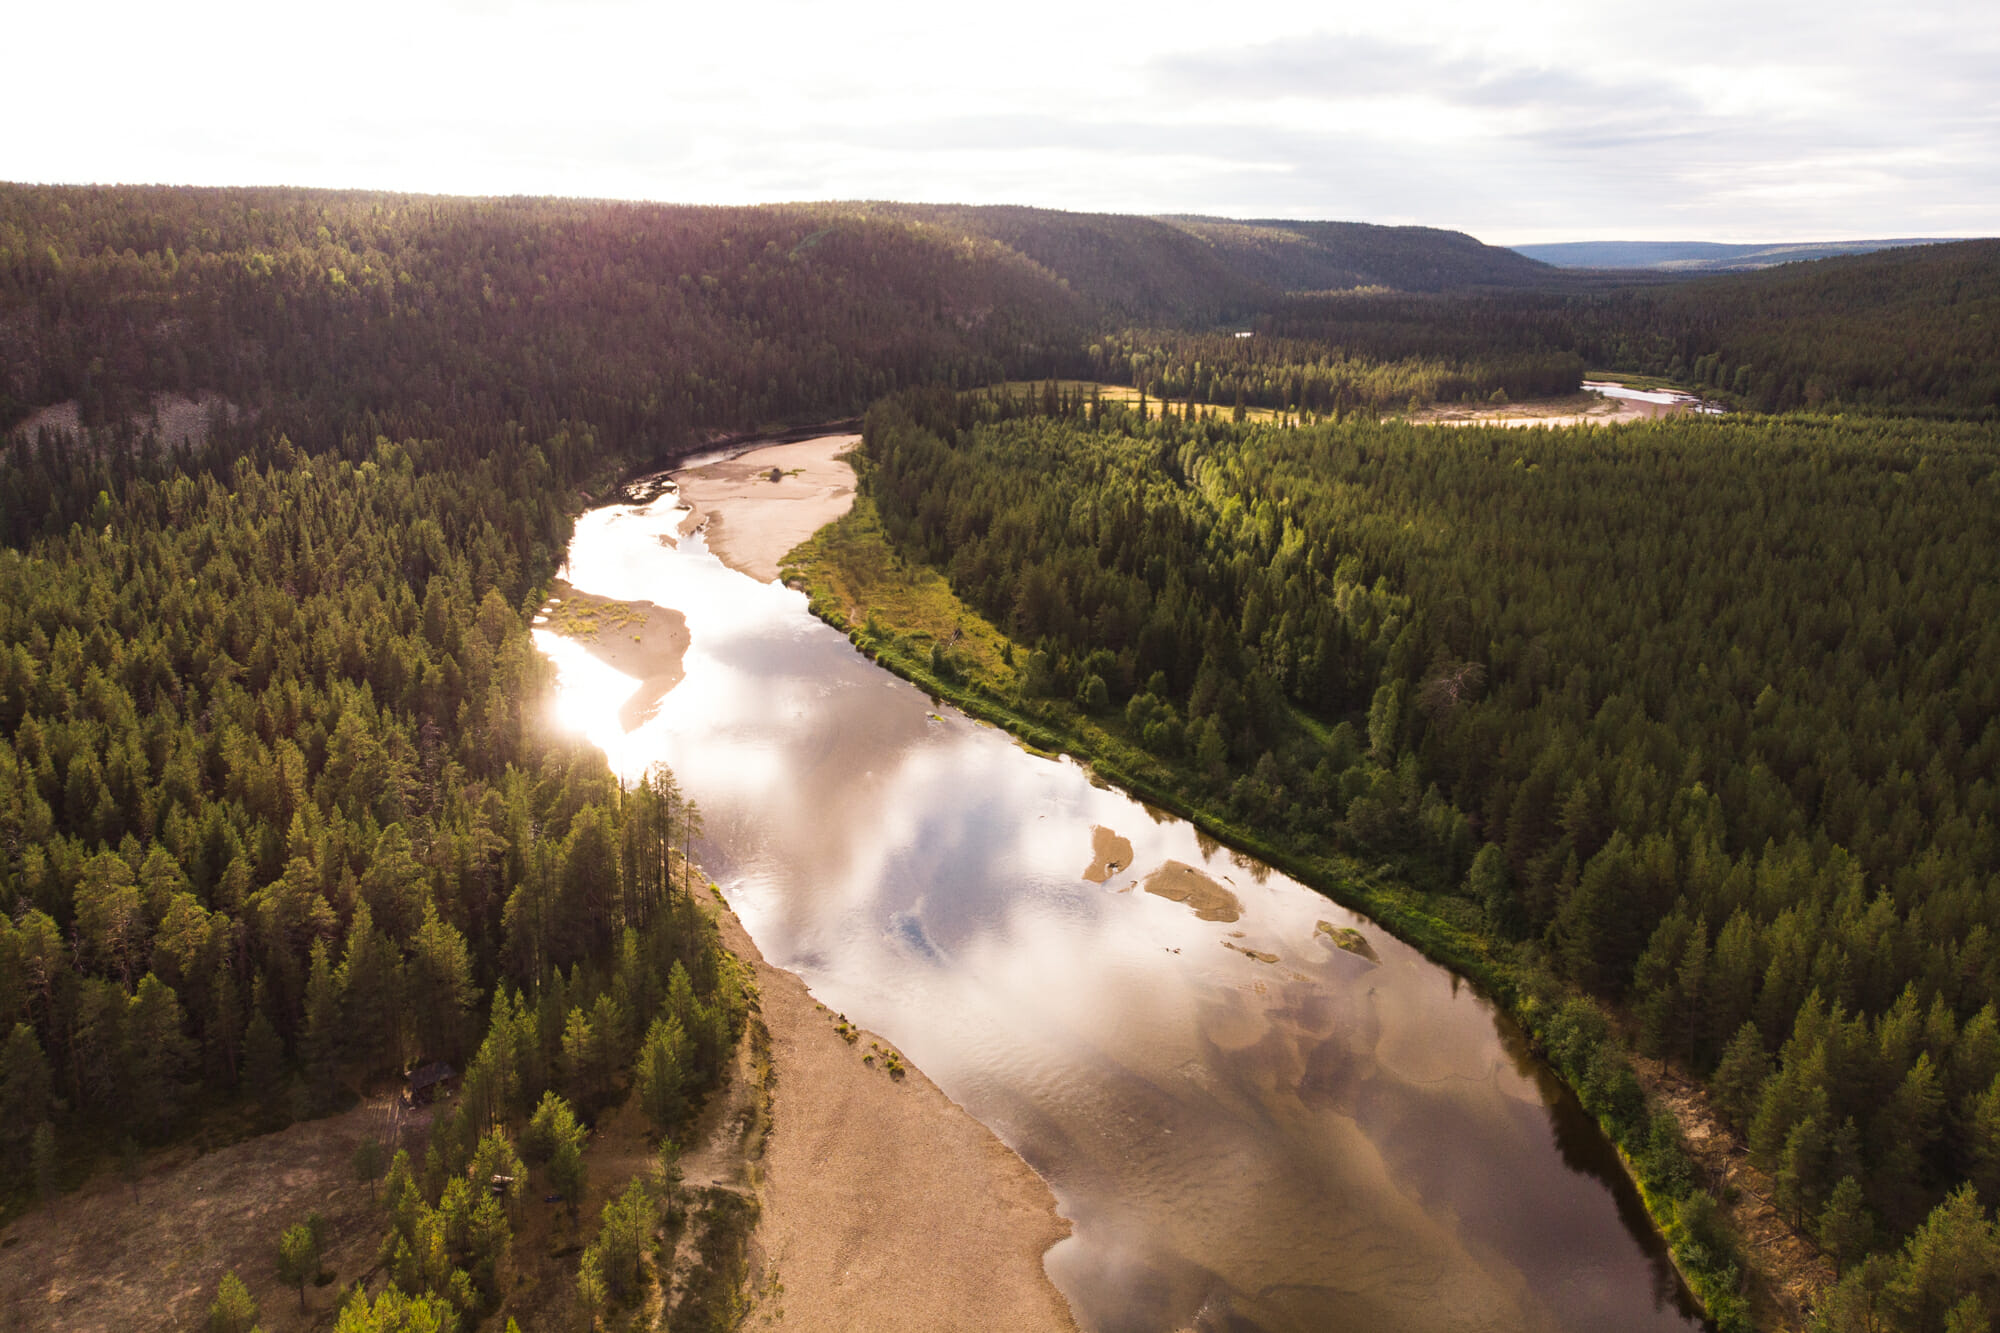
(1517, 122)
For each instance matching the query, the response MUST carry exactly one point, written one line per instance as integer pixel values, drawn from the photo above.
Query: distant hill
(656, 323)
(1336, 256)
(1135, 268)
(817, 308)
(1196, 270)
(1907, 331)
(1699, 256)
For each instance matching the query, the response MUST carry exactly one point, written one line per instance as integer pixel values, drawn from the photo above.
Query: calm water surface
(1321, 1142)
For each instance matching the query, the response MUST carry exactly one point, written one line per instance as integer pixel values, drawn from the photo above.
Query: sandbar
(885, 1204)
(1346, 939)
(1184, 884)
(758, 506)
(645, 641)
(1577, 409)
(1109, 854)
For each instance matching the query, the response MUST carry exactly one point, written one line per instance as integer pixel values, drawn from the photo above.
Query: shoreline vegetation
(906, 618)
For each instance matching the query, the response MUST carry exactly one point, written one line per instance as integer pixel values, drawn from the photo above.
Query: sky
(1516, 122)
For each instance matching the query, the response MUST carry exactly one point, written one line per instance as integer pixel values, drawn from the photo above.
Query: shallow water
(1323, 1142)
(1665, 397)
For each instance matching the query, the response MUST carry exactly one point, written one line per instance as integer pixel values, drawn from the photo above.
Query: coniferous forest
(1702, 714)
(1692, 727)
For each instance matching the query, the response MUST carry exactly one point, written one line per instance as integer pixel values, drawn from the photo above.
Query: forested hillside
(1196, 271)
(650, 322)
(1699, 713)
(1129, 268)
(280, 817)
(1894, 333)
(1290, 256)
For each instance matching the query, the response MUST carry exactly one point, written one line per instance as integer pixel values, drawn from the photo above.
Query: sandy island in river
(645, 641)
(753, 520)
(1184, 884)
(1109, 854)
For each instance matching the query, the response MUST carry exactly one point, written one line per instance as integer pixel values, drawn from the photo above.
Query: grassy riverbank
(906, 617)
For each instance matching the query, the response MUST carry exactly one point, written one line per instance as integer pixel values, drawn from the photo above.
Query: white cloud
(1516, 122)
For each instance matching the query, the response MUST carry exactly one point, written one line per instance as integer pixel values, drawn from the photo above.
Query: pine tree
(24, 1093)
(233, 1310)
(158, 1056)
(438, 979)
(263, 1060)
(298, 1258)
(1845, 1227)
(660, 1078)
(42, 1156)
(324, 1033)
(1739, 1079)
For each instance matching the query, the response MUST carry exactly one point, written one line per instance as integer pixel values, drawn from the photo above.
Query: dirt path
(1787, 1271)
(886, 1206)
(753, 520)
(150, 1254)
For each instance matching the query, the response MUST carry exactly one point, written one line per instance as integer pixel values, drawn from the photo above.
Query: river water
(1248, 1127)
(1672, 398)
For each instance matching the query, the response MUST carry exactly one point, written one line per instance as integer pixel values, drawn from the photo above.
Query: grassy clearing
(1129, 396)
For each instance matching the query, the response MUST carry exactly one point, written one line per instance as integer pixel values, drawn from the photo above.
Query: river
(1673, 399)
(1249, 1127)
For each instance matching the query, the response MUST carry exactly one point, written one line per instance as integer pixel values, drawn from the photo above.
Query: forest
(1694, 713)
(323, 312)
(1321, 378)
(1693, 726)
(282, 818)
(1908, 332)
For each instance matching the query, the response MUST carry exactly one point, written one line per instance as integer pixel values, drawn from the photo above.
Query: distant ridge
(1211, 270)
(1701, 256)
(1295, 256)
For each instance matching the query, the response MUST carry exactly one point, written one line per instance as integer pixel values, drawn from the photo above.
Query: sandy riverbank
(752, 520)
(886, 1206)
